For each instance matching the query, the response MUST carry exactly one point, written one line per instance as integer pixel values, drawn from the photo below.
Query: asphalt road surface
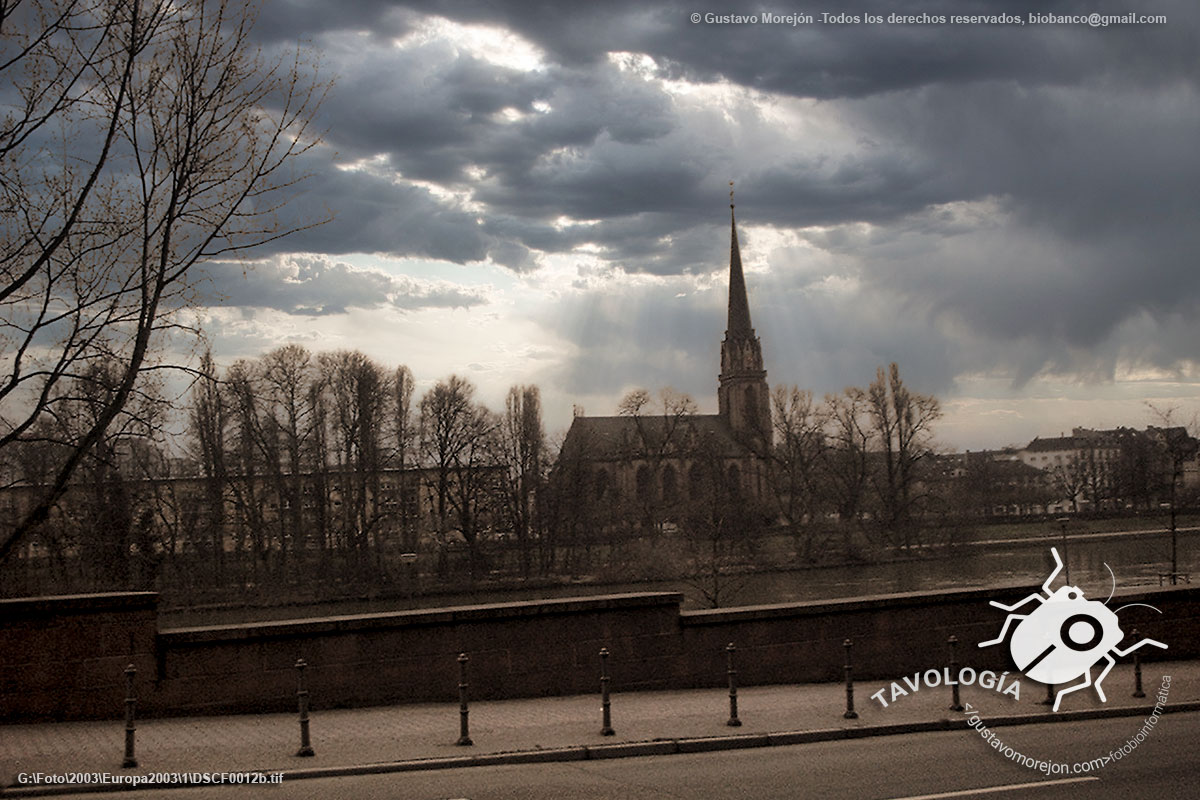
(1166, 764)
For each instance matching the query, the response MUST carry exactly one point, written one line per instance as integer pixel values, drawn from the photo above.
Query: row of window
(667, 485)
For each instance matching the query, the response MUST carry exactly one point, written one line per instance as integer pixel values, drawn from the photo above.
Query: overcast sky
(538, 192)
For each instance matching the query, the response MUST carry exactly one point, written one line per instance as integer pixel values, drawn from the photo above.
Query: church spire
(739, 305)
(743, 398)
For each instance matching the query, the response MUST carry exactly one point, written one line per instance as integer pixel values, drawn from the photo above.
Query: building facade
(663, 463)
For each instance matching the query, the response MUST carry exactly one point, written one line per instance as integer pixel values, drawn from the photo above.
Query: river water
(1134, 560)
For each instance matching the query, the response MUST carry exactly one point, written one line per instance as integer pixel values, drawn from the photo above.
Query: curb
(657, 747)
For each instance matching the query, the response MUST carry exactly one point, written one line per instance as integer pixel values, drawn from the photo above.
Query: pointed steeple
(739, 305)
(743, 398)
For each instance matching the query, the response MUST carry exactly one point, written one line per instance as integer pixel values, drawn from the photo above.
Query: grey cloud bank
(1011, 202)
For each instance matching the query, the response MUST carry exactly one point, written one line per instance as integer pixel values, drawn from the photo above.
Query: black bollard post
(733, 722)
(306, 749)
(464, 736)
(956, 703)
(850, 712)
(1137, 669)
(130, 759)
(1049, 701)
(607, 729)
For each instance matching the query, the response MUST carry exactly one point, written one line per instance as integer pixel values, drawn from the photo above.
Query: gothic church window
(695, 482)
(670, 490)
(644, 489)
(601, 484)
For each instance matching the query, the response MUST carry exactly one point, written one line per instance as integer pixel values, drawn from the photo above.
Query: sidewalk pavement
(423, 736)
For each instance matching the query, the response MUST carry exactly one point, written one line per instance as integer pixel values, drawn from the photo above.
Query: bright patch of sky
(494, 45)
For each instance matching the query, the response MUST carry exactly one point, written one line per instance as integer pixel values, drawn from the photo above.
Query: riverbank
(1136, 557)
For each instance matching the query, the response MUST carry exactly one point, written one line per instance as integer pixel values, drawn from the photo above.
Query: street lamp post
(1062, 522)
(1174, 539)
(409, 560)
(1173, 575)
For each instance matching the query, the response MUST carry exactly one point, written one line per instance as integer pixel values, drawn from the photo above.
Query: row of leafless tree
(861, 454)
(330, 457)
(306, 469)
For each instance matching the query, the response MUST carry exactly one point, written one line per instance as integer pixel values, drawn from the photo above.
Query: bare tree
(208, 421)
(1136, 469)
(846, 462)
(662, 438)
(407, 443)
(800, 447)
(285, 375)
(151, 136)
(455, 443)
(1069, 480)
(1176, 447)
(902, 422)
(720, 525)
(581, 501)
(360, 393)
(1096, 471)
(249, 455)
(522, 440)
(319, 486)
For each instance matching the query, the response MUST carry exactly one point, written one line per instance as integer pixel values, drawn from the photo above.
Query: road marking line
(1011, 787)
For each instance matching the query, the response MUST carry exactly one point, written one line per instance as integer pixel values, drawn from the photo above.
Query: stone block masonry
(63, 657)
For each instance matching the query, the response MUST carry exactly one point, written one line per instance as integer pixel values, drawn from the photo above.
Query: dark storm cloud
(833, 61)
(1074, 147)
(429, 109)
(432, 110)
(822, 61)
(429, 114)
(290, 20)
(603, 151)
(314, 286)
(365, 212)
(1102, 183)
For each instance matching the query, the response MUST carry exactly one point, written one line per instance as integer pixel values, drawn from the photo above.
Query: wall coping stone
(1150, 592)
(812, 608)
(416, 617)
(16, 608)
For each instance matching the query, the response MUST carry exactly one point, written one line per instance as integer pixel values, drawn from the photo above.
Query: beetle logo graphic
(1064, 637)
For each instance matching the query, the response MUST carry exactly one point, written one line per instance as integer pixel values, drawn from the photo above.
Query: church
(669, 461)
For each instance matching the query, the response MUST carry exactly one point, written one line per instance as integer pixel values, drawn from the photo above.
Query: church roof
(623, 438)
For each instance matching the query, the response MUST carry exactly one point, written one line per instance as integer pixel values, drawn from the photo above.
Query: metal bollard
(1049, 701)
(130, 759)
(306, 749)
(733, 722)
(1137, 669)
(850, 712)
(607, 729)
(956, 703)
(464, 736)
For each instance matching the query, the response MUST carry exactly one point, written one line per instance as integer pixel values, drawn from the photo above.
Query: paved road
(954, 764)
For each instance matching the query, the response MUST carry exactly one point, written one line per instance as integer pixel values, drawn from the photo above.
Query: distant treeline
(301, 475)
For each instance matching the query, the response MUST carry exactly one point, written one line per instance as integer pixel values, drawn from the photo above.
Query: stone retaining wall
(62, 657)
